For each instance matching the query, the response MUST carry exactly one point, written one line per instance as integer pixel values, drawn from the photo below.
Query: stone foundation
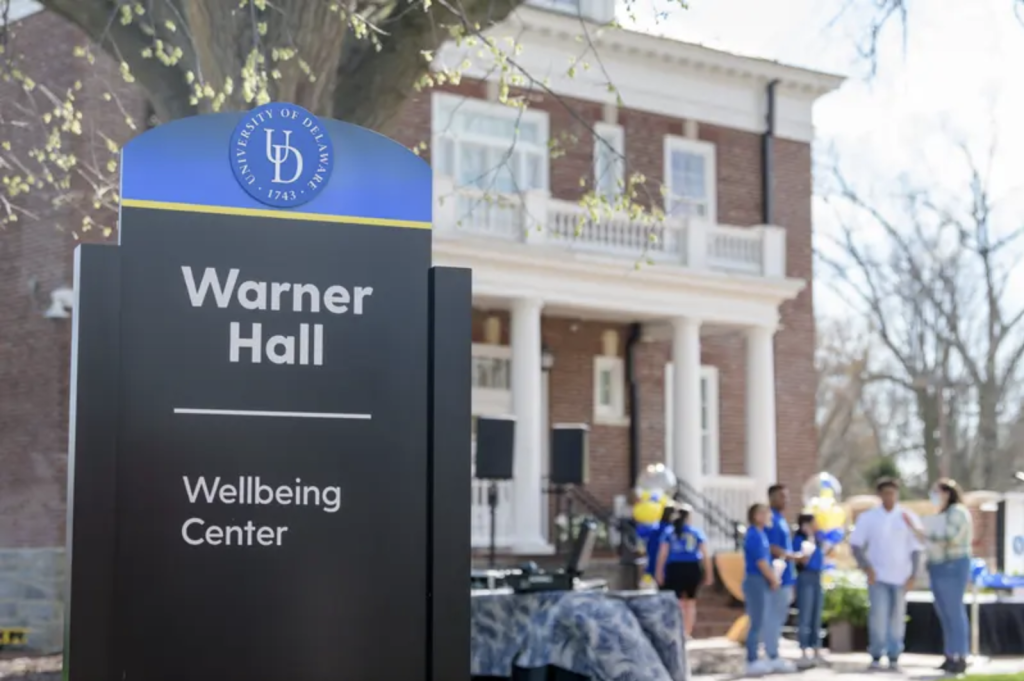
(32, 595)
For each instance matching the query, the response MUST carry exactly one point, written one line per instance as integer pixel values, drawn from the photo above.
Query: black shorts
(684, 579)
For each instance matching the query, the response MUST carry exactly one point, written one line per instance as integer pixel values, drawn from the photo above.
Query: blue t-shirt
(755, 548)
(778, 535)
(653, 544)
(684, 547)
(817, 561)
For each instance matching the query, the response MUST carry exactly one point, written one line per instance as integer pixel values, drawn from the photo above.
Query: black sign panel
(274, 475)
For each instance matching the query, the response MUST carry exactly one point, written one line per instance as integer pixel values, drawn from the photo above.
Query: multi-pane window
(609, 390)
(609, 161)
(689, 178)
(488, 146)
(491, 373)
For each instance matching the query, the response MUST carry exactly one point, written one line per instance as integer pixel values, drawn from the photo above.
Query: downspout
(635, 330)
(767, 159)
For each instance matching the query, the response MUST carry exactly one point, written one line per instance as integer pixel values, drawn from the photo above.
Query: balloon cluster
(822, 494)
(654, 490)
(653, 493)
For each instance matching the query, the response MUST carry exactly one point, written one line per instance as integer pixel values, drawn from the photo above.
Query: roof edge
(555, 24)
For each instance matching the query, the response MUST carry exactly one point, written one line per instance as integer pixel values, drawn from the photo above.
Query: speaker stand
(492, 505)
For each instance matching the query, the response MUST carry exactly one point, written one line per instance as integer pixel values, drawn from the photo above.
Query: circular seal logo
(281, 155)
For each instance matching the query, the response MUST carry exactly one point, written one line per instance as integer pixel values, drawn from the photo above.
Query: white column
(761, 455)
(686, 406)
(527, 402)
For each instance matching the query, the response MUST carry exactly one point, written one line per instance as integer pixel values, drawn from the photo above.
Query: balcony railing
(535, 218)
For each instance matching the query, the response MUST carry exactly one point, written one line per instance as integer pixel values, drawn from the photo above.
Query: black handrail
(715, 518)
(609, 524)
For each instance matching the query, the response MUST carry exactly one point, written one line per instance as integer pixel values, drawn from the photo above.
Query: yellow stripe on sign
(277, 214)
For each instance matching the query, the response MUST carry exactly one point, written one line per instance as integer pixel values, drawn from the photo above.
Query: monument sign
(270, 414)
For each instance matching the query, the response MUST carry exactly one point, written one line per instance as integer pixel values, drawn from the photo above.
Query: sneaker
(876, 665)
(758, 668)
(957, 666)
(781, 666)
(894, 666)
(946, 664)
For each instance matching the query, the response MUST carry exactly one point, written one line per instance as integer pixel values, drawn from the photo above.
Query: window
(610, 391)
(689, 179)
(489, 146)
(492, 380)
(609, 161)
(708, 418)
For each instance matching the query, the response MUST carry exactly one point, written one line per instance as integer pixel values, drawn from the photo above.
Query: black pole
(767, 158)
(635, 331)
(492, 505)
(568, 515)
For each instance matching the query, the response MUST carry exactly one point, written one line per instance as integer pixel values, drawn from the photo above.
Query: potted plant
(845, 614)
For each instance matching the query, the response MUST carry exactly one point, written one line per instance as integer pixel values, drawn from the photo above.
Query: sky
(957, 79)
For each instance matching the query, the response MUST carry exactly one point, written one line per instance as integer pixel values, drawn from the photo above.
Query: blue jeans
(810, 599)
(775, 616)
(887, 620)
(755, 599)
(949, 582)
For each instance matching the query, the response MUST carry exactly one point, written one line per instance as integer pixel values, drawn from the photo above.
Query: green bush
(846, 602)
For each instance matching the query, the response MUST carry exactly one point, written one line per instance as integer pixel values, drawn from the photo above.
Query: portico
(674, 306)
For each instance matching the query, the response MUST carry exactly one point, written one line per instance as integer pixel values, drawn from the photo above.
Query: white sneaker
(758, 668)
(781, 666)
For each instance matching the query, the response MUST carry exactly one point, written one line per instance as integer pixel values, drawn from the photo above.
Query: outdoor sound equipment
(567, 579)
(495, 443)
(569, 455)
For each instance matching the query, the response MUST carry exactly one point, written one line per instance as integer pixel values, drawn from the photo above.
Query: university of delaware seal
(281, 155)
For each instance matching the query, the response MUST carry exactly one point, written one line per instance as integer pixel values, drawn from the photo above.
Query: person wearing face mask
(948, 541)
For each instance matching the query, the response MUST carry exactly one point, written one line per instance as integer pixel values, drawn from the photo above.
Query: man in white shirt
(887, 550)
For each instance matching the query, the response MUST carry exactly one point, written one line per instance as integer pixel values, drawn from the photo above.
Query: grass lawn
(994, 677)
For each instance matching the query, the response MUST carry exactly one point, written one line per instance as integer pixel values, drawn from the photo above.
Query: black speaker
(495, 443)
(569, 455)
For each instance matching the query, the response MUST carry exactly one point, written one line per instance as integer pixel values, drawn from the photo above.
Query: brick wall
(36, 257)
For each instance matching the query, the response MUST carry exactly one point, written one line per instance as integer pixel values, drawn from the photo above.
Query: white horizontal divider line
(273, 414)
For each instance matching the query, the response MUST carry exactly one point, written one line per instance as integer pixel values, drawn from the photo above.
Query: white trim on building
(650, 73)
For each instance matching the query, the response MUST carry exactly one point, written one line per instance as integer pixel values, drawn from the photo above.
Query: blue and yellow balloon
(822, 495)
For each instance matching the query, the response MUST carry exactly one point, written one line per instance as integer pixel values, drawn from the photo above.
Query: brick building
(694, 347)
(723, 291)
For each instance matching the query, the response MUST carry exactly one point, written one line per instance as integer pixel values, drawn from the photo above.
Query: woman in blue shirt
(684, 564)
(759, 580)
(810, 597)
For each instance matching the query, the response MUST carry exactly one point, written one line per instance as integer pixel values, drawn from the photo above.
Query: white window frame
(614, 136)
(709, 381)
(615, 413)
(484, 107)
(492, 401)
(700, 148)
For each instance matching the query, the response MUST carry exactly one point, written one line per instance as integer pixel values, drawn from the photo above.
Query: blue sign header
(347, 173)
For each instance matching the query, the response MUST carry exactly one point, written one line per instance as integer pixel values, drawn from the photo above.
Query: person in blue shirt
(781, 599)
(810, 597)
(759, 582)
(684, 564)
(654, 539)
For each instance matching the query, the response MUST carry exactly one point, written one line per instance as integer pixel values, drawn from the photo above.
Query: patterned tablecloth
(606, 636)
